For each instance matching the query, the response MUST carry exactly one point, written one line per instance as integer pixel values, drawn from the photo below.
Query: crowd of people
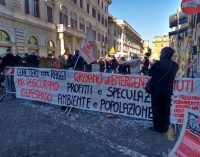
(68, 61)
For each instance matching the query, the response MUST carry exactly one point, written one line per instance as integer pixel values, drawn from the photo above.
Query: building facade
(124, 38)
(158, 43)
(147, 47)
(185, 39)
(48, 26)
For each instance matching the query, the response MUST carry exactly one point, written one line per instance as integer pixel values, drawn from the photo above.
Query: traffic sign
(190, 6)
(112, 51)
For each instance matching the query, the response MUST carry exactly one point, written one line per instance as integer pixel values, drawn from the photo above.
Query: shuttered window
(49, 14)
(2, 2)
(63, 19)
(32, 7)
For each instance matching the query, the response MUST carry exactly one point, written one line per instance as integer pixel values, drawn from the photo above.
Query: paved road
(32, 129)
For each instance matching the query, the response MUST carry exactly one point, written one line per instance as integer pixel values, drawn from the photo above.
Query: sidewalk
(32, 129)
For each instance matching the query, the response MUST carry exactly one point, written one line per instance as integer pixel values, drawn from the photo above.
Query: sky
(147, 17)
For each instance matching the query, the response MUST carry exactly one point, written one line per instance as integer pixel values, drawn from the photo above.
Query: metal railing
(9, 83)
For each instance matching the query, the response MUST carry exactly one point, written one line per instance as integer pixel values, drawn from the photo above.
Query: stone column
(62, 43)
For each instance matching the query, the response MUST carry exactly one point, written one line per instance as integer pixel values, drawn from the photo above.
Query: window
(105, 8)
(64, 19)
(102, 20)
(32, 7)
(4, 36)
(99, 37)
(106, 22)
(102, 38)
(32, 41)
(81, 3)
(99, 17)
(95, 36)
(102, 5)
(98, 2)
(106, 39)
(74, 24)
(50, 48)
(88, 8)
(2, 2)
(93, 12)
(74, 1)
(49, 14)
(32, 45)
(82, 27)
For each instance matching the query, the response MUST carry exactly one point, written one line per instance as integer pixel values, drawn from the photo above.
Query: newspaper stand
(9, 83)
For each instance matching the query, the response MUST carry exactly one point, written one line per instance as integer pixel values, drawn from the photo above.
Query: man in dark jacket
(8, 60)
(163, 74)
(78, 62)
(32, 60)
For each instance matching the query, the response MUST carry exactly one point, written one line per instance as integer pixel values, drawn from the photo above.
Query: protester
(134, 63)
(32, 60)
(162, 75)
(8, 60)
(122, 67)
(19, 60)
(101, 64)
(145, 66)
(107, 65)
(113, 64)
(78, 62)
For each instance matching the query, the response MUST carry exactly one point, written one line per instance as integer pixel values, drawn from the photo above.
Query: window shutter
(37, 9)
(2, 2)
(61, 18)
(49, 14)
(27, 7)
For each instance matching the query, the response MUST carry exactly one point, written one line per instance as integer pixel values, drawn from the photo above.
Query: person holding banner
(162, 75)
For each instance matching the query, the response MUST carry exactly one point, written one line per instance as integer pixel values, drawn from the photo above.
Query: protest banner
(89, 48)
(188, 144)
(186, 96)
(103, 92)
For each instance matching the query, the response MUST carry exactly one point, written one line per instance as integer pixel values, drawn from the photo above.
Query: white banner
(89, 49)
(103, 92)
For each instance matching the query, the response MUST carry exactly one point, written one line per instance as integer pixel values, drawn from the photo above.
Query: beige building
(50, 26)
(147, 47)
(124, 38)
(158, 43)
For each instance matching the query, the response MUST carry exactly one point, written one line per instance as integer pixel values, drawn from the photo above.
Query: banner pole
(76, 61)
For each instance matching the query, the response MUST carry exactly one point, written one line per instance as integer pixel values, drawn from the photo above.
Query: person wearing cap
(162, 74)
(134, 64)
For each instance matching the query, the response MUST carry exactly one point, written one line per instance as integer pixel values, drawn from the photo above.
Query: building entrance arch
(5, 42)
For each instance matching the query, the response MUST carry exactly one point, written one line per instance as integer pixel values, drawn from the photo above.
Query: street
(33, 129)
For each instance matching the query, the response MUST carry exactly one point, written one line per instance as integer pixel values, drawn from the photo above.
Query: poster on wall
(188, 143)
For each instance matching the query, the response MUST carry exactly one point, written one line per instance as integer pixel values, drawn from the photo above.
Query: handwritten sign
(102, 92)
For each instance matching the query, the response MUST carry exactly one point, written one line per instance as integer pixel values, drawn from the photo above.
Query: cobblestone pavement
(32, 129)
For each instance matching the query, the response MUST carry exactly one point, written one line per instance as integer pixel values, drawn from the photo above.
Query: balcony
(68, 30)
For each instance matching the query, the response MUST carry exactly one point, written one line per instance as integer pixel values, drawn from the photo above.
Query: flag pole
(76, 61)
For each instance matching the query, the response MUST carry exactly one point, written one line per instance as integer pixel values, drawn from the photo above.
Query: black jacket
(8, 60)
(159, 69)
